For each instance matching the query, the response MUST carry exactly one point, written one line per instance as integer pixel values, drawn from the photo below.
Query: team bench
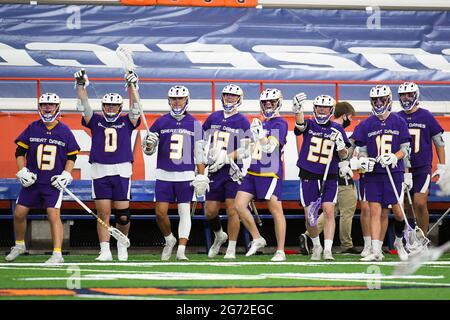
(143, 199)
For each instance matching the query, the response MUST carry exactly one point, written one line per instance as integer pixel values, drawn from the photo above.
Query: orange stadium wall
(13, 123)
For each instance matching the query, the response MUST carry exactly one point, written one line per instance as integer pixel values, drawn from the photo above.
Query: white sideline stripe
(344, 277)
(226, 264)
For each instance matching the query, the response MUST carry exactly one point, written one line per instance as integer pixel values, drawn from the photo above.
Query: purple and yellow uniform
(47, 151)
(313, 158)
(111, 157)
(422, 127)
(265, 174)
(361, 183)
(381, 137)
(175, 166)
(226, 133)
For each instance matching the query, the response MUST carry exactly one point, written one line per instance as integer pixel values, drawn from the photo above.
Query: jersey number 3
(45, 156)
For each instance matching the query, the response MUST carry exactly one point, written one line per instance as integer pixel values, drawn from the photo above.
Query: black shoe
(304, 246)
(351, 250)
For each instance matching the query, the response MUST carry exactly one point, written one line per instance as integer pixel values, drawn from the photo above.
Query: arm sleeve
(20, 151)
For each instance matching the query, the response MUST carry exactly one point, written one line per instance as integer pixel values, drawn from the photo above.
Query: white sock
(104, 246)
(367, 242)
(217, 233)
(316, 241)
(377, 246)
(231, 246)
(328, 245)
(169, 237)
(181, 249)
(398, 239)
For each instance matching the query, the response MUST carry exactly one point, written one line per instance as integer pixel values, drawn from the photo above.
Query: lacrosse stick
(418, 260)
(413, 244)
(126, 58)
(115, 233)
(314, 207)
(439, 222)
(424, 241)
(255, 211)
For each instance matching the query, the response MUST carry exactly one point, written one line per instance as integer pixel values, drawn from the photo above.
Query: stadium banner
(225, 43)
(12, 124)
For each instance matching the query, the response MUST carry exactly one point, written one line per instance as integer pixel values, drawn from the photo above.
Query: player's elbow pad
(135, 111)
(438, 140)
(20, 151)
(199, 152)
(85, 108)
(300, 126)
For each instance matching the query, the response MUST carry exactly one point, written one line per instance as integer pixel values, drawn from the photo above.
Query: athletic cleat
(279, 256)
(168, 247)
(366, 252)
(182, 257)
(55, 259)
(231, 255)
(105, 256)
(218, 242)
(16, 251)
(255, 245)
(373, 257)
(401, 252)
(304, 247)
(316, 253)
(327, 256)
(122, 252)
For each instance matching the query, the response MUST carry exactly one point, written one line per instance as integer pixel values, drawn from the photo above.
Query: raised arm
(135, 110)
(81, 82)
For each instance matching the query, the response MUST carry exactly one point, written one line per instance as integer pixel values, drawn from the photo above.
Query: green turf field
(247, 278)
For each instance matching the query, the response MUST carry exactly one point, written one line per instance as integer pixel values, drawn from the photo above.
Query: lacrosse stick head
(313, 213)
(126, 58)
(416, 241)
(119, 236)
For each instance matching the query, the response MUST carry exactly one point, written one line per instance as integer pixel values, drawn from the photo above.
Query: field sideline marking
(218, 264)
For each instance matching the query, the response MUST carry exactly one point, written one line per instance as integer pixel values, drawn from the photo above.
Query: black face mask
(346, 123)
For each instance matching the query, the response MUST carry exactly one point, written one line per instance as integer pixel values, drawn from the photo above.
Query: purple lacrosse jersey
(176, 142)
(382, 137)
(422, 127)
(316, 148)
(111, 141)
(47, 150)
(227, 133)
(270, 164)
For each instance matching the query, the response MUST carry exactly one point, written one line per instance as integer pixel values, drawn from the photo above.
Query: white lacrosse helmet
(49, 106)
(408, 101)
(178, 92)
(323, 101)
(234, 90)
(380, 99)
(276, 98)
(111, 99)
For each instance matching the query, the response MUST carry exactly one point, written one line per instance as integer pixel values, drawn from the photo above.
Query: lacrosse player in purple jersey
(226, 130)
(179, 138)
(111, 158)
(264, 176)
(385, 137)
(363, 165)
(319, 136)
(45, 156)
(425, 131)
